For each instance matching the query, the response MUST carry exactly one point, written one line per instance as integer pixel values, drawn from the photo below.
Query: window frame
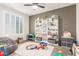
(15, 15)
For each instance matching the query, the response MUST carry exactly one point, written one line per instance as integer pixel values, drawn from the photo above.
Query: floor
(56, 48)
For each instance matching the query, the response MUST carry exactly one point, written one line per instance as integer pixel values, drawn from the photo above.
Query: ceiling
(30, 11)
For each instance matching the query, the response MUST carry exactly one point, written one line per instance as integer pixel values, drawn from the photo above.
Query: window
(7, 23)
(13, 24)
(18, 25)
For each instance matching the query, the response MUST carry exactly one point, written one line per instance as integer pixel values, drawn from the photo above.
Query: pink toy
(60, 51)
(40, 47)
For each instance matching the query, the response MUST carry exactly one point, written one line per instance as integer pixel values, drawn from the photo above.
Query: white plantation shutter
(7, 23)
(13, 24)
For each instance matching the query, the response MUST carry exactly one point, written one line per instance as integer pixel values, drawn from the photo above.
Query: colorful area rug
(22, 51)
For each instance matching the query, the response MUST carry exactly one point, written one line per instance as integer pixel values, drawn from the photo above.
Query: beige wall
(25, 22)
(68, 19)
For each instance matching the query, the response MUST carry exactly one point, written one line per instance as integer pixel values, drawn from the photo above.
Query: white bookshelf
(43, 26)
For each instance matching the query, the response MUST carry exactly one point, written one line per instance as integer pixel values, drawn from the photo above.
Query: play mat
(22, 51)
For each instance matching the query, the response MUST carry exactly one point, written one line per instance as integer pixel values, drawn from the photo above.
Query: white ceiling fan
(35, 5)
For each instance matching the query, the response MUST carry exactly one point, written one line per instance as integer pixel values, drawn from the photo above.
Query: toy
(43, 43)
(1, 53)
(60, 51)
(31, 37)
(67, 34)
(31, 47)
(5, 52)
(39, 46)
(57, 54)
(12, 53)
